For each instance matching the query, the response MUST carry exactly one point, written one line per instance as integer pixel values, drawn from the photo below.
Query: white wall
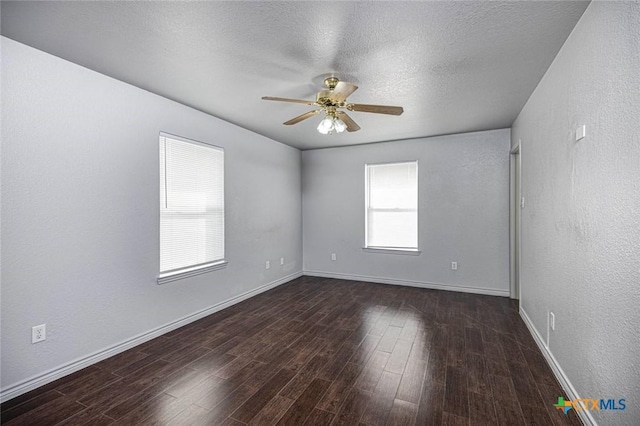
(581, 223)
(80, 197)
(463, 212)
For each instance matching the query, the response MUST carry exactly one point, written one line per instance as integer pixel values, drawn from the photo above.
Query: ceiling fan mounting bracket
(331, 82)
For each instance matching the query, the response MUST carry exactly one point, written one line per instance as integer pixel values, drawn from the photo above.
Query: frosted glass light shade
(339, 125)
(326, 126)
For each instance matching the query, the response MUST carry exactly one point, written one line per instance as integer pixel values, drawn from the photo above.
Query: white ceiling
(454, 66)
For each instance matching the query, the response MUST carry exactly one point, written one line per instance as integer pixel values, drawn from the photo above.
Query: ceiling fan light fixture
(326, 126)
(331, 124)
(339, 125)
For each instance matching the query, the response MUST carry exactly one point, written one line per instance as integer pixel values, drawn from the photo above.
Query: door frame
(515, 226)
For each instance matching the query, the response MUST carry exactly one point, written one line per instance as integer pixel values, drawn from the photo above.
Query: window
(392, 206)
(191, 207)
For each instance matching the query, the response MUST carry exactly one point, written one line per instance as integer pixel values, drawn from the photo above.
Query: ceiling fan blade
(342, 91)
(378, 109)
(351, 125)
(297, 101)
(301, 117)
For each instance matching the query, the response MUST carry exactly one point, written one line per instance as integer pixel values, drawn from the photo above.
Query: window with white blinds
(191, 205)
(392, 206)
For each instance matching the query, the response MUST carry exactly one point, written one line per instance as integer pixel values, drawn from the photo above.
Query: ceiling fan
(332, 101)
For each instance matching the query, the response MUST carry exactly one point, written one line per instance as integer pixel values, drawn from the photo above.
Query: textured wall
(80, 221)
(463, 211)
(581, 223)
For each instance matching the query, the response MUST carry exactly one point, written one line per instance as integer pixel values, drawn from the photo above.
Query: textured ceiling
(454, 66)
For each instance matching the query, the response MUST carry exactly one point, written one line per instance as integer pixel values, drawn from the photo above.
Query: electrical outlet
(282, 260)
(552, 321)
(38, 333)
(454, 266)
(333, 256)
(267, 265)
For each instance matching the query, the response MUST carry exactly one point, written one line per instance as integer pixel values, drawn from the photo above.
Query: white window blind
(191, 204)
(392, 205)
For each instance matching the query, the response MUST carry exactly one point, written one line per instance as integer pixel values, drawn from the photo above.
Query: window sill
(190, 272)
(382, 250)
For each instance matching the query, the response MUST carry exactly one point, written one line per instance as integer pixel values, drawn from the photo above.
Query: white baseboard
(409, 283)
(584, 415)
(66, 369)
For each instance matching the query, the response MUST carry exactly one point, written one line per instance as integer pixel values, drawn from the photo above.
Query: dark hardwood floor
(319, 352)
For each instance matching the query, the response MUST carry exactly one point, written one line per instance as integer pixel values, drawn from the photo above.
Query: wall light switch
(581, 132)
(267, 265)
(282, 260)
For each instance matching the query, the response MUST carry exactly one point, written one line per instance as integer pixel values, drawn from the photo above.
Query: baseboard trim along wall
(409, 283)
(56, 373)
(584, 415)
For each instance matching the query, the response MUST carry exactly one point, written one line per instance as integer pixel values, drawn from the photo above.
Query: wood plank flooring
(319, 352)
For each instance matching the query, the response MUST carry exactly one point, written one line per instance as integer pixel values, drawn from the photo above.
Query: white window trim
(191, 271)
(390, 250)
